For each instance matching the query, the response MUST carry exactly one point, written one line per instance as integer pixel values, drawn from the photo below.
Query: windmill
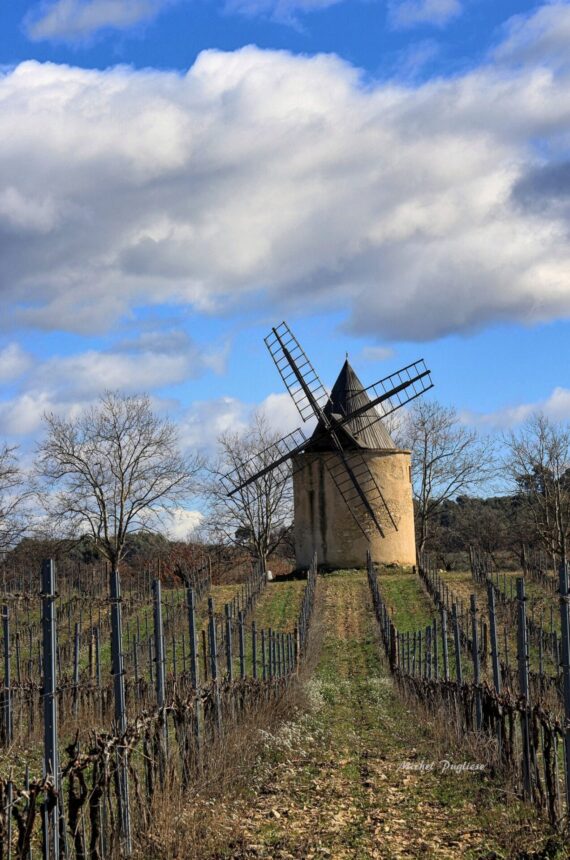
(348, 465)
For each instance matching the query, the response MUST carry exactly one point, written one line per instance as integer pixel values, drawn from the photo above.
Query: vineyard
(498, 672)
(109, 699)
(117, 696)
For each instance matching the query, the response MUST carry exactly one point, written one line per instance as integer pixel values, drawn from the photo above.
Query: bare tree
(255, 517)
(448, 459)
(538, 465)
(13, 493)
(113, 470)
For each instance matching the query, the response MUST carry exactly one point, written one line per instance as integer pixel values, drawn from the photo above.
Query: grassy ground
(337, 782)
(278, 606)
(410, 607)
(412, 610)
(463, 585)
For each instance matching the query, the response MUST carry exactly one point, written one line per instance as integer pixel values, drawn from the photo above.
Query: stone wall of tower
(323, 522)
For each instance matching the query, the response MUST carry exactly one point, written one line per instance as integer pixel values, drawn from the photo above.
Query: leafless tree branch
(114, 469)
(538, 465)
(448, 459)
(14, 490)
(257, 515)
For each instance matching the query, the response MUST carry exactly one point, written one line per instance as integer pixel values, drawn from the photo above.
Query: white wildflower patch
(298, 736)
(290, 737)
(314, 694)
(379, 689)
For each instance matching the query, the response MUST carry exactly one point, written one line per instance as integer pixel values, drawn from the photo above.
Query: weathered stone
(324, 524)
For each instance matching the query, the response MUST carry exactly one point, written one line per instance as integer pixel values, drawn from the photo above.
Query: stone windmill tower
(321, 521)
(352, 486)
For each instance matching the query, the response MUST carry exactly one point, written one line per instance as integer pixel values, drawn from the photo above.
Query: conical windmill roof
(346, 396)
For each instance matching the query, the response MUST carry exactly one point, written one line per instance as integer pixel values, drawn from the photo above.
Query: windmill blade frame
(419, 383)
(359, 490)
(408, 374)
(298, 374)
(282, 451)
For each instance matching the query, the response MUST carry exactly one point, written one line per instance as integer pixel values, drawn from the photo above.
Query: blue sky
(365, 33)
(176, 176)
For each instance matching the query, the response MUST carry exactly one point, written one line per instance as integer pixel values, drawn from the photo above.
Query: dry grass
(191, 823)
(196, 823)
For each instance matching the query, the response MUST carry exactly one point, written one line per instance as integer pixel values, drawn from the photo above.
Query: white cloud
(377, 353)
(205, 421)
(73, 20)
(88, 373)
(542, 37)
(22, 414)
(282, 415)
(284, 11)
(199, 425)
(13, 362)
(284, 181)
(409, 13)
(66, 384)
(556, 406)
(26, 213)
(149, 363)
(182, 523)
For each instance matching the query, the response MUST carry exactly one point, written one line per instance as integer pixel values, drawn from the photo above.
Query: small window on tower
(410, 473)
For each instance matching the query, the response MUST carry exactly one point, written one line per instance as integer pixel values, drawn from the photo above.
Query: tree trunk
(423, 534)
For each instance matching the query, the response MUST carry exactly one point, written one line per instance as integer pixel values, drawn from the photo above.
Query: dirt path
(335, 783)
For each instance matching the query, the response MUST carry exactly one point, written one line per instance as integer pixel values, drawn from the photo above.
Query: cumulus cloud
(181, 523)
(65, 384)
(542, 37)
(76, 20)
(404, 14)
(22, 414)
(84, 374)
(146, 363)
(282, 181)
(556, 406)
(282, 415)
(14, 361)
(205, 421)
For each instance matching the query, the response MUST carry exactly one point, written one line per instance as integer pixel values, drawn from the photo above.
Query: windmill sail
(276, 457)
(391, 393)
(296, 371)
(308, 394)
(361, 493)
